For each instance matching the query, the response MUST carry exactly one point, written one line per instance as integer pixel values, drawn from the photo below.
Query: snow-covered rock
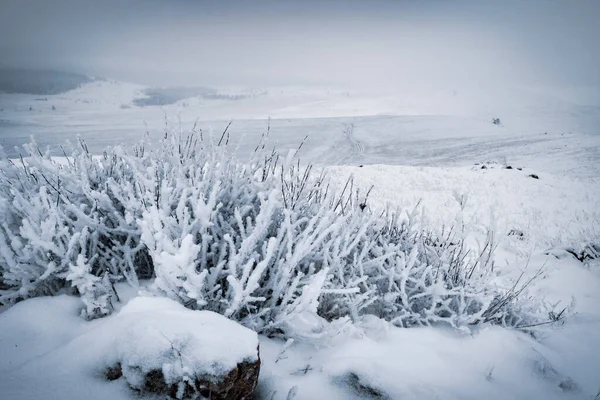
(163, 347)
(151, 345)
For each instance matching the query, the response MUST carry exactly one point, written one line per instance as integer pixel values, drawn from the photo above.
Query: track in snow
(356, 150)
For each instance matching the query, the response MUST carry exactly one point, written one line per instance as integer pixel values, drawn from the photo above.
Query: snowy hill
(532, 182)
(39, 82)
(442, 127)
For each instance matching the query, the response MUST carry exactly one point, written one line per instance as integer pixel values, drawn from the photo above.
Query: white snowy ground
(424, 149)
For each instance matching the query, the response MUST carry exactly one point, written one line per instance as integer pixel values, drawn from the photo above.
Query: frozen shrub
(54, 212)
(261, 242)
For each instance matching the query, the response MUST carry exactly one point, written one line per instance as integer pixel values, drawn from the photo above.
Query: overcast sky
(361, 43)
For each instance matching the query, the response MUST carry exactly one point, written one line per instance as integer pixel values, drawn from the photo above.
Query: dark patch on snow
(567, 385)
(549, 373)
(516, 232)
(166, 96)
(113, 373)
(588, 252)
(364, 391)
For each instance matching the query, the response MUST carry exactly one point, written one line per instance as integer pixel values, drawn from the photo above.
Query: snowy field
(554, 130)
(534, 180)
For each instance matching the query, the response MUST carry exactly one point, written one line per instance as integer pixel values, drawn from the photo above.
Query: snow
(550, 211)
(550, 129)
(32, 328)
(413, 148)
(44, 343)
(209, 344)
(434, 363)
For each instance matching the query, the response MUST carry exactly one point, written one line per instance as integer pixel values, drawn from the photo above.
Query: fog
(374, 44)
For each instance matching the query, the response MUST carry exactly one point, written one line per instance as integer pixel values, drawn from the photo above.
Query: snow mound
(45, 343)
(160, 334)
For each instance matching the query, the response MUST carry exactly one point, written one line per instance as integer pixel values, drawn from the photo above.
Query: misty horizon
(383, 44)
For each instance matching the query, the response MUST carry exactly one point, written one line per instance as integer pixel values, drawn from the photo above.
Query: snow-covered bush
(261, 242)
(53, 214)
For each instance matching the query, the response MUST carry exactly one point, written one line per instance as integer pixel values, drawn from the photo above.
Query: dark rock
(155, 383)
(229, 370)
(534, 176)
(520, 169)
(508, 167)
(483, 167)
(114, 373)
(238, 384)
